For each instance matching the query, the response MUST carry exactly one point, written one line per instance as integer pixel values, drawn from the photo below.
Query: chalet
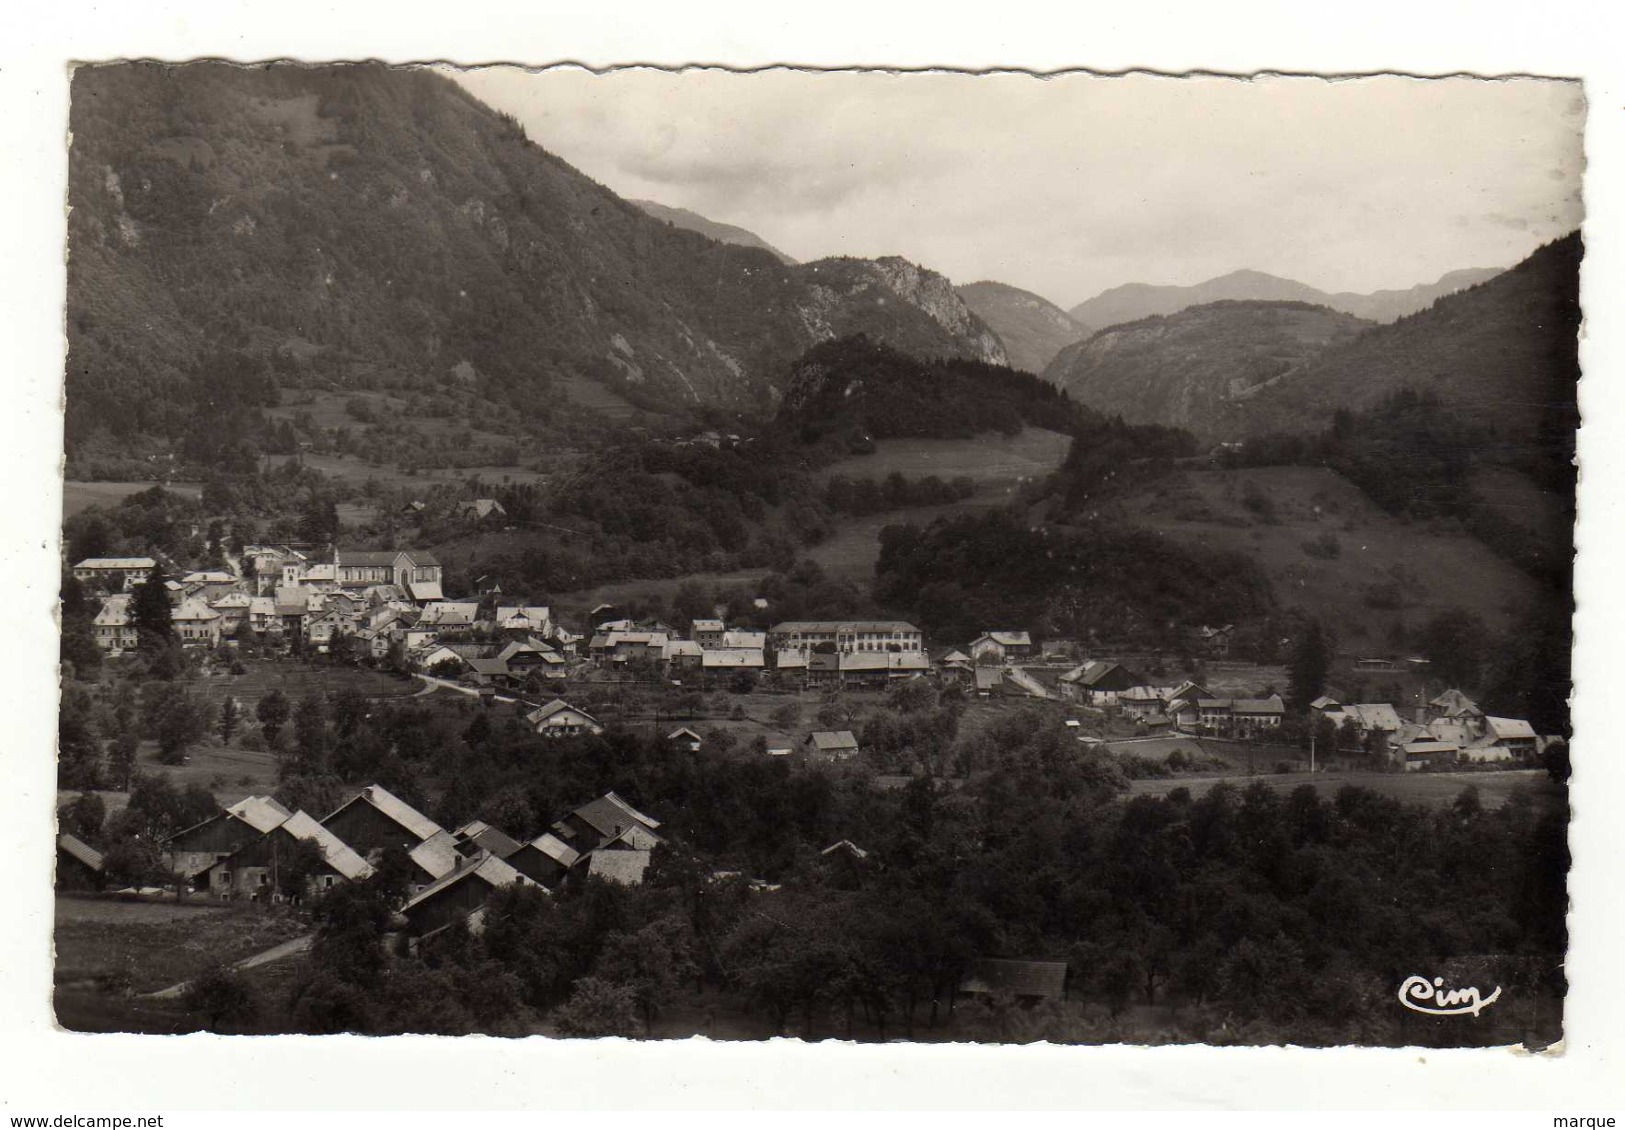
(1001, 646)
(434, 655)
(1027, 981)
(78, 865)
(262, 614)
(708, 633)
(121, 573)
(683, 654)
(822, 668)
(115, 630)
(449, 614)
(1215, 642)
(254, 870)
(196, 624)
(1368, 718)
(530, 657)
(849, 635)
(845, 863)
(194, 850)
(524, 618)
(481, 509)
(831, 745)
(1251, 715)
(489, 671)
(1213, 714)
(558, 719)
(375, 819)
(459, 895)
(1097, 683)
(1421, 753)
(606, 820)
(1182, 705)
(435, 858)
(618, 646)
(987, 681)
(545, 860)
(1141, 701)
(1504, 739)
(233, 608)
(685, 738)
(732, 659)
(950, 661)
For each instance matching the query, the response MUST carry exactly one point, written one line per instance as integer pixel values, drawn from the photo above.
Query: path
(432, 684)
(289, 948)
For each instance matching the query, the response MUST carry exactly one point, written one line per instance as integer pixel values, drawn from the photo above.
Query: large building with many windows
(848, 635)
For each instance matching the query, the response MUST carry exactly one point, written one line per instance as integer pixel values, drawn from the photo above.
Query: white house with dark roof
(558, 719)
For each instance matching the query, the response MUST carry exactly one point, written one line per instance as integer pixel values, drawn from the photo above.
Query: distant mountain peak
(689, 220)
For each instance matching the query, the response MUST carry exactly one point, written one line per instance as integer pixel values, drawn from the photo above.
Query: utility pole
(1311, 753)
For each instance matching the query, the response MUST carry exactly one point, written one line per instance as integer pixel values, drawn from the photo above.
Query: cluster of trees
(866, 495)
(1257, 916)
(963, 573)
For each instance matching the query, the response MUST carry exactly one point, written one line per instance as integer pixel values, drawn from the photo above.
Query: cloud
(1071, 184)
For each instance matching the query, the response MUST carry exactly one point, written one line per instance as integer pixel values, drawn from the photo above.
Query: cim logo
(1431, 998)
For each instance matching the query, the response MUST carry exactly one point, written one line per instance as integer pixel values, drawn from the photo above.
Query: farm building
(375, 819)
(194, 850)
(78, 865)
(255, 870)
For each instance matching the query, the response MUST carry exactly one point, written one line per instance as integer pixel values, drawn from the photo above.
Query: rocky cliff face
(1033, 329)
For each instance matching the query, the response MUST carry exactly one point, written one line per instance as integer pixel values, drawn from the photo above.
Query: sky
(1071, 184)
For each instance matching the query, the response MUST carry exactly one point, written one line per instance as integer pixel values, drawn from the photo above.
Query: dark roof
(833, 739)
(1018, 978)
(368, 558)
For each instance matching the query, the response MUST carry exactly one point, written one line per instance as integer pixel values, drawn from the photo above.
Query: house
(254, 870)
(951, 662)
(196, 624)
(375, 819)
(481, 509)
(1504, 739)
(849, 635)
(732, 659)
(606, 820)
(617, 646)
(524, 618)
(831, 745)
(435, 858)
(1421, 753)
(1368, 718)
(118, 573)
(686, 739)
(432, 656)
(115, 630)
(1000, 646)
(262, 615)
(489, 671)
(1027, 981)
(1250, 715)
(625, 866)
(1097, 683)
(558, 719)
(708, 633)
(1181, 705)
(449, 614)
(749, 641)
(194, 850)
(683, 654)
(545, 860)
(791, 661)
(78, 865)
(1213, 714)
(459, 895)
(233, 608)
(1141, 701)
(988, 681)
(1215, 642)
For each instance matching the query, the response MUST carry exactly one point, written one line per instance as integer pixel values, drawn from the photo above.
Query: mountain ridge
(690, 220)
(1033, 328)
(1133, 301)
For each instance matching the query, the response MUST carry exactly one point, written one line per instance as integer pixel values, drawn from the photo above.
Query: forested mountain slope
(1032, 328)
(239, 229)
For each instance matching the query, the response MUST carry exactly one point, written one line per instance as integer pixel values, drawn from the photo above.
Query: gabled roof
(262, 813)
(339, 855)
(1453, 703)
(1270, 705)
(117, 563)
(847, 846)
(988, 678)
(1324, 702)
(488, 838)
(83, 852)
(610, 815)
(393, 807)
(488, 666)
(424, 590)
(683, 732)
(555, 849)
(368, 558)
(488, 868)
(709, 626)
(825, 740)
(543, 713)
(675, 648)
(1506, 729)
(437, 855)
(1018, 978)
(1006, 638)
(1373, 716)
(114, 612)
(743, 639)
(733, 657)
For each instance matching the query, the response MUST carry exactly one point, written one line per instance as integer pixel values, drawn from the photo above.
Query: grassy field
(991, 460)
(108, 951)
(1424, 570)
(77, 496)
(1437, 789)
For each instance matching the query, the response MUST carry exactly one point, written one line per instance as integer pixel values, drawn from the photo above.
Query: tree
(179, 722)
(311, 737)
(597, 1008)
(651, 963)
(82, 816)
(222, 997)
(1310, 662)
(230, 715)
(1455, 642)
(150, 613)
(121, 753)
(272, 712)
